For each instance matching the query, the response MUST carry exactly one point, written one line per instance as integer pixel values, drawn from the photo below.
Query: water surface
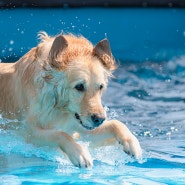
(149, 98)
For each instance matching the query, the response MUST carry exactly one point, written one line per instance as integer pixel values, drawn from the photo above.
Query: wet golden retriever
(55, 92)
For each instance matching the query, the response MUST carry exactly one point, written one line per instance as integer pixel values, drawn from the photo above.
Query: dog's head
(84, 70)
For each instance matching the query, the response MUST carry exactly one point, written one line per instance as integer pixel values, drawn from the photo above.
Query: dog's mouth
(77, 116)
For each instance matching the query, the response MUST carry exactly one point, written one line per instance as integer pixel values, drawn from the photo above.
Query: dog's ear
(103, 52)
(59, 44)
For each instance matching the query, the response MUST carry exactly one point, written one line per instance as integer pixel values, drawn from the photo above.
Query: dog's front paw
(130, 143)
(131, 146)
(79, 156)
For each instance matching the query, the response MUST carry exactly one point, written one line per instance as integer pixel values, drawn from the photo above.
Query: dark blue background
(135, 34)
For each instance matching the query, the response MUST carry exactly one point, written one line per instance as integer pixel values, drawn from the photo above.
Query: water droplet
(11, 42)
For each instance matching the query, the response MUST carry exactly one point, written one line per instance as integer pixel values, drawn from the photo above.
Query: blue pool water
(150, 99)
(135, 34)
(147, 94)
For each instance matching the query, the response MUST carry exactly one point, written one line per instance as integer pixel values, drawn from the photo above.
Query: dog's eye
(80, 87)
(101, 87)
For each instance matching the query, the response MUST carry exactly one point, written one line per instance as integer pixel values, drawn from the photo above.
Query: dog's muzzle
(97, 120)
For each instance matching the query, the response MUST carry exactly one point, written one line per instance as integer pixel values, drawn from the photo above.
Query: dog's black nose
(97, 119)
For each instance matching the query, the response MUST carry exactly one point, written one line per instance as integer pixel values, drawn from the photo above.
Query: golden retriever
(54, 91)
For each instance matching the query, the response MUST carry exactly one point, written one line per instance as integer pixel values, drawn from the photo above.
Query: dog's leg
(77, 154)
(117, 130)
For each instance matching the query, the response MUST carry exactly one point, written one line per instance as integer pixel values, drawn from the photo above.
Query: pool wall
(94, 3)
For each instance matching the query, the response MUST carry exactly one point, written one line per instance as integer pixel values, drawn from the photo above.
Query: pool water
(149, 98)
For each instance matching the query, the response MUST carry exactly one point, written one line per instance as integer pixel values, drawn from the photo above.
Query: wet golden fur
(55, 92)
